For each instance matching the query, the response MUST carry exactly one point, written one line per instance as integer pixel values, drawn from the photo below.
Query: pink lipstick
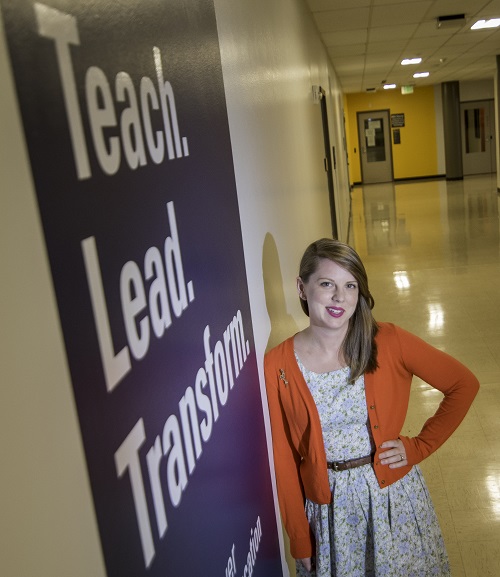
(335, 312)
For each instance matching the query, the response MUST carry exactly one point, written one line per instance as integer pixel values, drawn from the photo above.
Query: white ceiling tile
(348, 50)
(323, 5)
(380, 2)
(351, 64)
(463, 40)
(350, 19)
(364, 49)
(387, 33)
(377, 60)
(352, 76)
(485, 50)
(352, 87)
(399, 14)
(345, 38)
(394, 46)
(490, 10)
(423, 46)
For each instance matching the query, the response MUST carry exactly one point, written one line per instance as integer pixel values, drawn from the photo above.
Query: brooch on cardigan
(283, 377)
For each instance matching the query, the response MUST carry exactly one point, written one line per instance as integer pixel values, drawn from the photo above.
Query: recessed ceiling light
(421, 75)
(407, 61)
(389, 86)
(482, 24)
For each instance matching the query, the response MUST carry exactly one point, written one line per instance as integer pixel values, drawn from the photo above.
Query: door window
(475, 137)
(374, 140)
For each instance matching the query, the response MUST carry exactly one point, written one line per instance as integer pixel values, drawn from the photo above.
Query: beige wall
(278, 148)
(47, 522)
(277, 139)
(271, 58)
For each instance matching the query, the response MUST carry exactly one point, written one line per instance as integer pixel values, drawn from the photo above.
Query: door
(375, 146)
(328, 161)
(478, 140)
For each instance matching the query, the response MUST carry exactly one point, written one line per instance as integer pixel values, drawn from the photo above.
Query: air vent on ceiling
(371, 90)
(451, 21)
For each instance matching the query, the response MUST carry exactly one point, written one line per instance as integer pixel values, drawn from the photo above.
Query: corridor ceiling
(368, 39)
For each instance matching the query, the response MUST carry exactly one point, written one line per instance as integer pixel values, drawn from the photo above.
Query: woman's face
(332, 295)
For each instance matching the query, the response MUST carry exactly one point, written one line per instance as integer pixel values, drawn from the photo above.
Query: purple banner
(126, 126)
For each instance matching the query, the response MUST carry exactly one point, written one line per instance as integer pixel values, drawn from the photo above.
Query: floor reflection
(431, 250)
(458, 220)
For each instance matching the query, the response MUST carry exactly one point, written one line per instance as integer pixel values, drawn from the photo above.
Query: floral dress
(367, 531)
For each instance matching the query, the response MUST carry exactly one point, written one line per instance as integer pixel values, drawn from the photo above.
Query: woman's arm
(448, 375)
(287, 468)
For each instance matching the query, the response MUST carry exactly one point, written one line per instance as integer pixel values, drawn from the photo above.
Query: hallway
(432, 253)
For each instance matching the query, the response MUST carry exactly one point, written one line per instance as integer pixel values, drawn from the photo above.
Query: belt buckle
(336, 465)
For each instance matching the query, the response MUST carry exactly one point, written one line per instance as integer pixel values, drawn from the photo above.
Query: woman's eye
(326, 283)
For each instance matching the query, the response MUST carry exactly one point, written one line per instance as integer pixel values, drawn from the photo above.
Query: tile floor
(432, 252)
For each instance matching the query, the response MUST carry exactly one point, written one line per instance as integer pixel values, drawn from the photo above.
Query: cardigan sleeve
(287, 467)
(446, 374)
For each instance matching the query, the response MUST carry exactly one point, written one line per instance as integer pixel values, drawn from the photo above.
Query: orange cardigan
(299, 453)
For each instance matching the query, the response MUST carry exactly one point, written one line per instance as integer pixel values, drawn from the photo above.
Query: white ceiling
(367, 39)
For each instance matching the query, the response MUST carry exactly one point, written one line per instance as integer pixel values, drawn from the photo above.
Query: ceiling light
(481, 24)
(407, 61)
(421, 75)
(389, 86)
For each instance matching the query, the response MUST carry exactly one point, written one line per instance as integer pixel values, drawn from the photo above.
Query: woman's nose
(337, 295)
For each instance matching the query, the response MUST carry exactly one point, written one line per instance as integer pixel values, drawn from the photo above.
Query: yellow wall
(416, 156)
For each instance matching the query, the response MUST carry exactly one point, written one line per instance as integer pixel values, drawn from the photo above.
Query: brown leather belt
(350, 464)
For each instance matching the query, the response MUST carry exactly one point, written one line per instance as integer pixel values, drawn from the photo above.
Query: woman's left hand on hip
(395, 456)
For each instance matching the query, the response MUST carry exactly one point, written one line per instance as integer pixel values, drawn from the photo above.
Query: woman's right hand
(307, 562)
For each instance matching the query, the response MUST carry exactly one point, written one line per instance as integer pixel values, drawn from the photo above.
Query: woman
(352, 498)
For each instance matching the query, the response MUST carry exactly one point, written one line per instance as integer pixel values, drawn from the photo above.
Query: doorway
(478, 137)
(375, 146)
(328, 161)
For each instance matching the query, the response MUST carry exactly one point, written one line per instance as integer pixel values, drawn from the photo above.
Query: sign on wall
(126, 126)
(397, 120)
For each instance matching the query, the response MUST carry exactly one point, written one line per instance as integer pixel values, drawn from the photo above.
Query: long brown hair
(358, 348)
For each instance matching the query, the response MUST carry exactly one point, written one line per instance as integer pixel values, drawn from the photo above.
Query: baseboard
(409, 178)
(430, 177)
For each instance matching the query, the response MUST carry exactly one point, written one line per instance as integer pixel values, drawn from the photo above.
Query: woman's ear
(300, 289)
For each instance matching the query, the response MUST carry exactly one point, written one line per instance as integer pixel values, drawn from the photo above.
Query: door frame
(386, 111)
(328, 161)
(489, 105)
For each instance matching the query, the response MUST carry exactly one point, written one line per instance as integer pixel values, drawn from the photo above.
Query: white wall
(277, 140)
(271, 57)
(497, 124)
(469, 91)
(477, 90)
(48, 528)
